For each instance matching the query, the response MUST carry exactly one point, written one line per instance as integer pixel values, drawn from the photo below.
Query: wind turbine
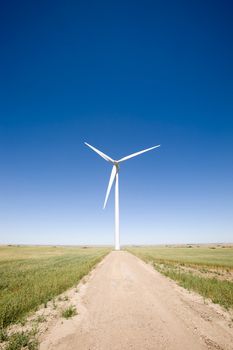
(115, 176)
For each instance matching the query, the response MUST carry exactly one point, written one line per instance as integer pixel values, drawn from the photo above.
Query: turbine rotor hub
(116, 164)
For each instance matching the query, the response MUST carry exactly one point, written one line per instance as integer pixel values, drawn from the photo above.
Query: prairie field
(33, 275)
(207, 270)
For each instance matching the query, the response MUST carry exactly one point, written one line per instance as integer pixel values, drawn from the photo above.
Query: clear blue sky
(123, 76)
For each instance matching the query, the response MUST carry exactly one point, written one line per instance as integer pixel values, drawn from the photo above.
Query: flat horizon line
(111, 245)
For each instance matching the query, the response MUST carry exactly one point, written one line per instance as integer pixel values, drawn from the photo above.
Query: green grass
(219, 257)
(172, 261)
(3, 335)
(219, 291)
(22, 340)
(70, 311)
(31, 276)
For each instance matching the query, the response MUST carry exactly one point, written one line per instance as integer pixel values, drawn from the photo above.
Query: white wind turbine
(115, 176)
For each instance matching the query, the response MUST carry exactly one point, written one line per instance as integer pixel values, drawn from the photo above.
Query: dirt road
(126, 304)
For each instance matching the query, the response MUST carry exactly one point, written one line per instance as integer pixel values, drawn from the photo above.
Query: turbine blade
(137, 153)
(101, 154)
(112, 177)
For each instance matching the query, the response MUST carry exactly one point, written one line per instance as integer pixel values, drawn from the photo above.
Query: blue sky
(122, 76)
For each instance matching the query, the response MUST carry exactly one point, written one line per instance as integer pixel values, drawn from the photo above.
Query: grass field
(31, 276)
(203, 269)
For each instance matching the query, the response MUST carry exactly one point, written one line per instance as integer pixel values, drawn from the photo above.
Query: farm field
(207, 270)
(33, 275)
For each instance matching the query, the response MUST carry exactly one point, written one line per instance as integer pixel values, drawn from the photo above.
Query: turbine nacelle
(116, 165)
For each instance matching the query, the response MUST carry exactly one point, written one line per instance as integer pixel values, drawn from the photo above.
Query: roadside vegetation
(32, 276)
(70, 311)
(22, 340)
(205, 270)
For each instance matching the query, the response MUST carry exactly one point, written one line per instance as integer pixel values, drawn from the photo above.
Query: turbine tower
(115, 176)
